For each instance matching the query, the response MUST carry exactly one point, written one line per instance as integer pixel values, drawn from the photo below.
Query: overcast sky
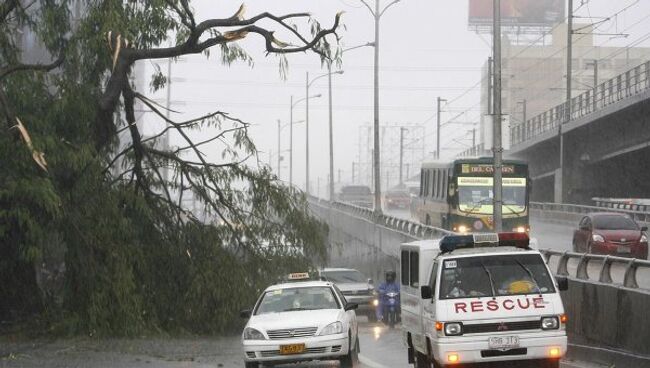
(426, 51)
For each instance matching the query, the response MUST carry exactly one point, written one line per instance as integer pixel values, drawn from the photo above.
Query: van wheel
(422, 361)
(551, 364)
(251, 364)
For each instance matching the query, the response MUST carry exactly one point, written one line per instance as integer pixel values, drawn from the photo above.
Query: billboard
(518, 13)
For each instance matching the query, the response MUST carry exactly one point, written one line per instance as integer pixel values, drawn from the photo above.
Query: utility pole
(559, 192)
(291, 143)
(473, 139)
(594, 63)
(169, 103)
(408, 166)
(489, 86)
(353, 181)
(377, 150)
(279, 148)
(331, 183)
(496, 122)
(440, 100)
(401, 155)
(307, 135)
(377, 13)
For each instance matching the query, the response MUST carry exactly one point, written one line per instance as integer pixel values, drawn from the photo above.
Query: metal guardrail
(639, 216)
(412, 228)
(618, 205)
(625, 85)
(631, 265)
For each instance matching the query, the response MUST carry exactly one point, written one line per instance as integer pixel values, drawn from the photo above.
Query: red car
(611, 233)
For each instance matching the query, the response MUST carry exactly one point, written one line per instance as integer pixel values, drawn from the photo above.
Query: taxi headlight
(332, 329)
(644, 239)
(253, 334)
(550, 323)
(597, 238)
(453, 329)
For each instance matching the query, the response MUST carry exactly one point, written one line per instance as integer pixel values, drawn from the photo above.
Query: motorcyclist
(389, 285)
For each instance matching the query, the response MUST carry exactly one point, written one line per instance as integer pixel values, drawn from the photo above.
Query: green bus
(457, 196)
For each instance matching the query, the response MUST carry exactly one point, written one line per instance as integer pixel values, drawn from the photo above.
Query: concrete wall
(610, 317)
(360, 243)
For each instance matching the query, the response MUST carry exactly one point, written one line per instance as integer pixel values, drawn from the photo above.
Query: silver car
(356, 288)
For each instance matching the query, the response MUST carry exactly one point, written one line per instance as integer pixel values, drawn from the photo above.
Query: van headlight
(550, 323)
(597, 238)
(332, 329)
(253, 334)
(644, 239)
(453, 329)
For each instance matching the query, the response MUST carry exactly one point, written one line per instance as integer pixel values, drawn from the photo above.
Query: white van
(480, 298)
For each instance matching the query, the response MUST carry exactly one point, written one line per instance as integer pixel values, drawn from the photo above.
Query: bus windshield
(503, 275)
(475, 195)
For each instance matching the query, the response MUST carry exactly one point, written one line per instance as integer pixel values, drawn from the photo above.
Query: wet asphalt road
(381, 347)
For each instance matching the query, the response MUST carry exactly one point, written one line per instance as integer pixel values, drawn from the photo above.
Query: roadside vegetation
(93, 235)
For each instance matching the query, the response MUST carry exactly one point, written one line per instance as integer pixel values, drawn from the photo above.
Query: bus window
(440, 179)
(405, 268)
(433, 183)
(443, 187)
(421, 182)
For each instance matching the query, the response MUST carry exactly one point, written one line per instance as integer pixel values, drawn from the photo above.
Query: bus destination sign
(485, 169)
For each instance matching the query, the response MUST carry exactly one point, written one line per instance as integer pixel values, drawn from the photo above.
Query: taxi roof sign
(298, 276)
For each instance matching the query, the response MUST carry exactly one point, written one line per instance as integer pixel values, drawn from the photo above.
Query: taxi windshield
(487, 276)
(297, 299)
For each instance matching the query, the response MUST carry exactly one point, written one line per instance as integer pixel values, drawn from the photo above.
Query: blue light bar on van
(452, 242)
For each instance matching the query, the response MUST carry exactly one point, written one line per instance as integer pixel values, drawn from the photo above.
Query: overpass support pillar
(558, 192)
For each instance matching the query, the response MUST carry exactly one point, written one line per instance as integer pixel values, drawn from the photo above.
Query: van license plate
(503, 342)
(292, 349)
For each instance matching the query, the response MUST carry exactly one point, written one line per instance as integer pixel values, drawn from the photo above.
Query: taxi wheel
(352, 358)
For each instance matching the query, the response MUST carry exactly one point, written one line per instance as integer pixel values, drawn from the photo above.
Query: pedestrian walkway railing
(415, 229)
(629, 266)
(623, 86)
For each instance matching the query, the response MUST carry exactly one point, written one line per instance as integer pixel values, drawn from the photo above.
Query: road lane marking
(370, 363)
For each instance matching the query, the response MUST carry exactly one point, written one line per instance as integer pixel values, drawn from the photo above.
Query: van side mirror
(351, 306)
(562, 283)
(246, 313)
(426, 292)
(371, 281)
(644, 228)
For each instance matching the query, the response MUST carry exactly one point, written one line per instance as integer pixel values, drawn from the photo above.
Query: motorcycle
(391, 308)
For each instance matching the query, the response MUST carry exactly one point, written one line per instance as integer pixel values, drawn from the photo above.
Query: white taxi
(300, 320)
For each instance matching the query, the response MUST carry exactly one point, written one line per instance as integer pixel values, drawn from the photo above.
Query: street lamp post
(377, 14)
(307, 85)
(291, 122)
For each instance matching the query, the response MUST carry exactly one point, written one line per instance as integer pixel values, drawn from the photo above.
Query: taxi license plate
(292, 349)
(503, 342)
(624, 249)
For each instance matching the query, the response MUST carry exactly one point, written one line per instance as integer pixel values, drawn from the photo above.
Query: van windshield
(486, 276)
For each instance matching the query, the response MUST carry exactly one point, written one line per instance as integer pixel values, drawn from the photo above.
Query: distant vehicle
(481, 298)
(457, 195)
(397, 199)
(358, 195)
(301, 321)
(355, 287)
(611, 233)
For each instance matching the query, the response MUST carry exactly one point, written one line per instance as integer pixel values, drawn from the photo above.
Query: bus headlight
(550, 323)
(453, 329)
(519, 229)
(462, 229)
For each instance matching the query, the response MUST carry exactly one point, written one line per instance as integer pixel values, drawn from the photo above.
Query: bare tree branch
(7, 8)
